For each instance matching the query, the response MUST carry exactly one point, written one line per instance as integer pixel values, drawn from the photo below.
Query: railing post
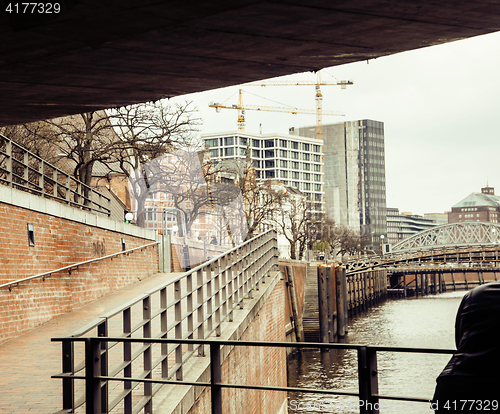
(68, 367)
(148, 353)
(215, 378)
(92, 384)
(200, 300)
(178, 328)
(102, 331)
(8, 151)
(368, 381)
(127, 358)
(189, 306)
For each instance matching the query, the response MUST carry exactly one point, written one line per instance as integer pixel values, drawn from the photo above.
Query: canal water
(426, 322)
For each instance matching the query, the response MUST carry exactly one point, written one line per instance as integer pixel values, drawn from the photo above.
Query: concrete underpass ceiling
(101, 54)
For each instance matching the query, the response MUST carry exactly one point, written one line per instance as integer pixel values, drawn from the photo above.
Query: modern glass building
(355, 193)
(294, 160)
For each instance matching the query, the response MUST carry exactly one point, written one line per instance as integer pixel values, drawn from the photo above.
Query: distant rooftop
(486, 197)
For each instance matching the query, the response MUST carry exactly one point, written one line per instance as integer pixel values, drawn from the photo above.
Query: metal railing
(191, 305)
(96, 380)
(23, 170)
(72, 266)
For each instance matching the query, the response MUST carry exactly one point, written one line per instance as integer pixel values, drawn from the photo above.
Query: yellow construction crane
(241, 108)
(318, 96)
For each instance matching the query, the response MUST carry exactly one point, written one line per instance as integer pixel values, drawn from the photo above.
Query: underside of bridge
(100, 54)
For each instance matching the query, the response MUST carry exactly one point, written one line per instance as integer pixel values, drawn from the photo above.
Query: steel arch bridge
(456, 235)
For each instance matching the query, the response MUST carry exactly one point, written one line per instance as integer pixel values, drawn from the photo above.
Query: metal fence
(97, 381)
(23, 170)
(190, 306)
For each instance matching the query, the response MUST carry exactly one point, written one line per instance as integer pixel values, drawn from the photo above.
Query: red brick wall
(255, 365)
(58, 243)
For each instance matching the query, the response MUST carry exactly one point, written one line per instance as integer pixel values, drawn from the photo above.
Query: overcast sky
(440, 107)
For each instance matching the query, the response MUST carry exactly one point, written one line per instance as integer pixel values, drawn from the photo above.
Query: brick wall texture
(255, 365)
(58, 243)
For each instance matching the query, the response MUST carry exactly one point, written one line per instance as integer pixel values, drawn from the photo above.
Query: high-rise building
(294, 160)
(355, 194)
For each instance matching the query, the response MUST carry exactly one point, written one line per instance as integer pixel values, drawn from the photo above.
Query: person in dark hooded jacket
(470, 382)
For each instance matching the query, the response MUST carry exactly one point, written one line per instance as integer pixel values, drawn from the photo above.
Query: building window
(283, 163)
(283, 143)
(269, 143)
(317, 187)
(294, 145)
(269, 164)
(255, 143)
(268, 153)
(256, 153)
(295, 175)
(294, 165)
(211, 142)
(305, 156)
(228, 151)
(307, 186)
(256, 164)
(243, 141)
(294, 155)
(305, 147)
(229, 141)
(317, 177)
(283, 153)
(317, 158)
(317, 167)
(283, 174)
(214, 153)
(270, 174)
(307, 176)
(242, 151)
(316, 148)
(306, 166)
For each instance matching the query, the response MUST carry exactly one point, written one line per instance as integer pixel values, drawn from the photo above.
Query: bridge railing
(25, 171)
(96, 380)
(192, 305)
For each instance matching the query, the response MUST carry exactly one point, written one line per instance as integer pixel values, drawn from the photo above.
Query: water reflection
(424, 323)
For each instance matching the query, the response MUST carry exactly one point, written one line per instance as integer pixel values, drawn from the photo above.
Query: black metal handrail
(25, 171)
(191, 305)
(367, 370)
(73, 266)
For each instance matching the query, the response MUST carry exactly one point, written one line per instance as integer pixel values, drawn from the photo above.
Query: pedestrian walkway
(27, 362)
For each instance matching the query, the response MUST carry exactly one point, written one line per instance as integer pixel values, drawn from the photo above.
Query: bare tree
(147, 132)
(260, 199)
(22, 135)
(291, 218)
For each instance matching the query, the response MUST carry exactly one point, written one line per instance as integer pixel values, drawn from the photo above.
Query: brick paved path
(27, 362)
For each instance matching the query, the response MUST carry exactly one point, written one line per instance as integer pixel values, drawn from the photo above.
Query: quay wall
(62, 236)
(295, 275)
(332, 296)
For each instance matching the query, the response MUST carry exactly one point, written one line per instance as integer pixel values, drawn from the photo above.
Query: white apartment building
(293, 160)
